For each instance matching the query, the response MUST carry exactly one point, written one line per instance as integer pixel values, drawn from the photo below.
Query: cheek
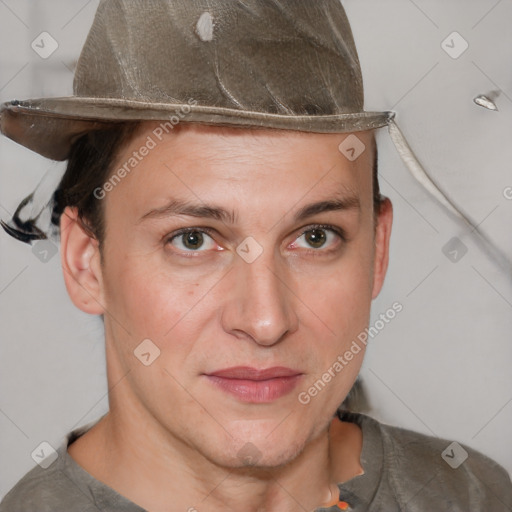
(343, 312)
(147, 297)
(339, 314)
(148, 301)
(347, 288)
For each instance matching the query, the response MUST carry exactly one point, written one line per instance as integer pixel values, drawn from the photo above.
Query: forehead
(164, 132)
(201, 160)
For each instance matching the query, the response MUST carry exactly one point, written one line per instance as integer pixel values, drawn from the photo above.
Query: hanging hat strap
(420, 174)
(416, 169)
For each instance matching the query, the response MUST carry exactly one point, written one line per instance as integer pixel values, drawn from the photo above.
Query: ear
(382, 236)
(80, 259)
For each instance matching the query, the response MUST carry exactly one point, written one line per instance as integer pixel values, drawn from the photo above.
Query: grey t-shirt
(403, 471)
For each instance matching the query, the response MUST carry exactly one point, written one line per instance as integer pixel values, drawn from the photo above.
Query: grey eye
(192, 240)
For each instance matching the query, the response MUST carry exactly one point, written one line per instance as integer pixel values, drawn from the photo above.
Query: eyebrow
(177, 207)
(336, 204)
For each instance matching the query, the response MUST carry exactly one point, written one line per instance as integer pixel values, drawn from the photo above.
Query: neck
(152, 469)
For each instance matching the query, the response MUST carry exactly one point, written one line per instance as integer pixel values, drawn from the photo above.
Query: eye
(192, 240)
(318, 237)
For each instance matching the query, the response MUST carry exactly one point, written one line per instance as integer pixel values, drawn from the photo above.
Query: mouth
(253, 385)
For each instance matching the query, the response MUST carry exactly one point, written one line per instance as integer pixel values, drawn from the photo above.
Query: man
(209, 214)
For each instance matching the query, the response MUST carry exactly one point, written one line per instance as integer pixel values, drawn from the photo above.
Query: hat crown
(292, 57)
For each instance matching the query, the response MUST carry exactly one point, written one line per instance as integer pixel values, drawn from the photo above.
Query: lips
(248, 373)
(255, 385)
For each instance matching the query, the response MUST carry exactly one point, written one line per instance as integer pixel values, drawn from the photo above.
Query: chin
(262, 445)
(272, 456)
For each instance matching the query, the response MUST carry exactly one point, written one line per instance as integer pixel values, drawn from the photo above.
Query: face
(250, 259)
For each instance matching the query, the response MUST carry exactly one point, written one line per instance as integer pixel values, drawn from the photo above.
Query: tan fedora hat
(284, 64)
(287, 64)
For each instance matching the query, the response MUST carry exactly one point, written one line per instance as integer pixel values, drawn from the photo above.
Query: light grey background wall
(442, 366)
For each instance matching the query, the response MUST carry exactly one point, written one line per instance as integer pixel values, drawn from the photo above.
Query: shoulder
(58, 484)
(45, 490)
(425, 471)
(64, 485)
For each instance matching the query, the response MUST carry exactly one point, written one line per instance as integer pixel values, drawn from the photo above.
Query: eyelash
(334, 229)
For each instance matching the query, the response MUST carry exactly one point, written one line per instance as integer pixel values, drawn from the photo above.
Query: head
(262, 279)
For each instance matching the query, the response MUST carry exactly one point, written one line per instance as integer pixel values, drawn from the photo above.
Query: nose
(260, 304)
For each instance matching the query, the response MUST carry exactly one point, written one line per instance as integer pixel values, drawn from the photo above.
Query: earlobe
(80, 263)
(382, 237)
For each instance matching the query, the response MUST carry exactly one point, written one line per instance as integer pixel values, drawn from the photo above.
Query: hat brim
(50, 126)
